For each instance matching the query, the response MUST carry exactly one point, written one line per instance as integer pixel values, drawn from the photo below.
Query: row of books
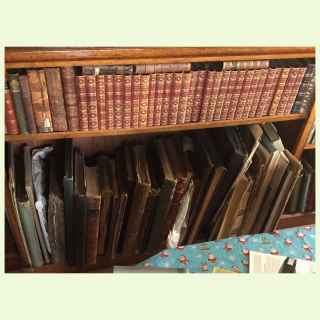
(58, 99)
(143, 197)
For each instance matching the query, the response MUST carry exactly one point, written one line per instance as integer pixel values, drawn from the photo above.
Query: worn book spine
(54, 87)
(247, 94)
(41, 112)
(93, 123)
(135, 100)
(207, 95)
(166, 98)
(151, 99)
(143, 105)
(221, 95)
(127, 112)
(163, 67)
(109, 101)
(101, 102)
(118, 99)
(158, 99)
(238, 65)
(83, 103)
(70, 97)
(231, 89)
(92, 231)
(27, 102)
(175, 98)
(184, 96)
(214, 96)
(198, 95)
(278, 93)
(236, 94)
(10, 114)
(107, 70)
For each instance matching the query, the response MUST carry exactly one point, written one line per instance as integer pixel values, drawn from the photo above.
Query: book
(167, 91)
(10, 114)
(207, 93)
(160, 78)
(143, 101)
(162, 68)
(118, 100)
(110, 102)
(101, 102)
(248, 94)
(231, 88)
(214, 96)
(127, 107)
(83, 103)
(222, 94)
(45, 99)
(184, 96)
(92, 105)
(191, 95)
(135, 100)
(308, 172)
(253, 64)
(175, 97)
(151, 99)
(198, 95)
(107, 70)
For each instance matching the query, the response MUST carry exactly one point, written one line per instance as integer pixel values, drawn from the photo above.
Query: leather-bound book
(110, 102)
(136, 79)
(10, 114)
(158, 99)
(107, 70)
(118, 99)
(294, 198)
(214, 96)
(163, 67)
(27, 102)
(70, 97)
(143, 100)
(18, 103)
(238, 65)
(83, 103)
(198, 95)
(191, 95)
(207, 95)
(231, 88)
(222, 94)
(127, 105)
(45, 96)
(55, 94)
(93, 196)
(101, 102)
(184, 95)
(166, 99)
(308, 172)
(93, 117)
(175, 97)
(151, 99)
(247, 94)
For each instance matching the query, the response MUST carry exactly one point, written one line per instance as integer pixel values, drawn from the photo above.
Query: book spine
(231, 89)
(166, 98)
(175, 98)
(191, 95)
(183, 101)
(214, 96)
(70, 97)
(83, 103)
(93, 121)
(198, 96)
(151, 99)
(10, 114)
(27, 102)
(163, 67)
(127, 112)
(159, 98)
(238, 65)
(221, 95)
(118, 95)
(101, 102)
(92, 235)
(143, 105)
(247, 96)
(207, 95)
(109, 101)
(236, 94)
(54, 87)
(280, 87)
(135, 101)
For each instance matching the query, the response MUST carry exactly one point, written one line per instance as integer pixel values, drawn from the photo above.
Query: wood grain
(296, 220)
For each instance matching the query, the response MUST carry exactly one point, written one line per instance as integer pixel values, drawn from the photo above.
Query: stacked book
(135, 96)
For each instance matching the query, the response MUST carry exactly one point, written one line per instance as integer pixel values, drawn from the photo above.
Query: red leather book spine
(158, 100)
(135, 100)
(198, 96)
(191, 95)
(214, 96)
(83, 103)
(144, 94)
(127, 112)
(151, 98)
(166, 98)
(184, 95)
(247, 94)
(227, 100)
(278, 93)
(175, 98)
(262, 79)
(109, 101)
(10, 114)
(101, 101)
(118, 99)
(207, 95)
(221, 95)
(236, 94)
(295, 90)
(93, 122)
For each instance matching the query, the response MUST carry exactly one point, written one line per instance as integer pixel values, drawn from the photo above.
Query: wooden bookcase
(58, 57)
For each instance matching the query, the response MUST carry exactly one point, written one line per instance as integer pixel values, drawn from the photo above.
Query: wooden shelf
(296, 220)
(147, 130)
(309, 146)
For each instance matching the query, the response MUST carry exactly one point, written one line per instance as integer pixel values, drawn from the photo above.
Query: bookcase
(293, 128)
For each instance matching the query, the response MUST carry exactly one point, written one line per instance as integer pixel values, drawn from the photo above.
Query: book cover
(136, 79)
(207, 95)
(167, 91)
(101, 102)
(143, 100)
(221, 95)
(214, 96)
(127, 105)
(109, 101)
(93, 122)
(231, 89)
(191, 95)
(10, 114)
(198, 95)
(247, 94)
(83, 103)
(159, 98)
(151, 99)
(184, 95)
(118, 99)
(175, 98)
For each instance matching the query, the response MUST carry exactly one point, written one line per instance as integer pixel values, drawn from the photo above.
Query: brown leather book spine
(83, 103)
(222, 94)
(163, 67)
(159, 98)
(92, 235)
(144, 96)
(118, 98)
(207, 95)
(214, 96)
(166, 98)
(247, 94)
(295, 90)
(135, 100)
(93, 122)
(184, 95)
(231, 89)
(41, 110)
(278, 93)
(55, 93)
(198, 96)
(109, 101)
(151, 99)
(236, 94)
(191, 95)
(10, 114)
(127, 112)
(101, 101)
(70, 97)
(175, 98)
(27, 102)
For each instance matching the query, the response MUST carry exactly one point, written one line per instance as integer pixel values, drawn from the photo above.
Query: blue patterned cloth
(233, 253)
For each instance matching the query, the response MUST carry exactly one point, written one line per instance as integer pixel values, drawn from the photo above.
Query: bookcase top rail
(24, 57)
(147, 130)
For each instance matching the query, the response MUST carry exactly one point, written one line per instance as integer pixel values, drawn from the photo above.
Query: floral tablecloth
(233, 253)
